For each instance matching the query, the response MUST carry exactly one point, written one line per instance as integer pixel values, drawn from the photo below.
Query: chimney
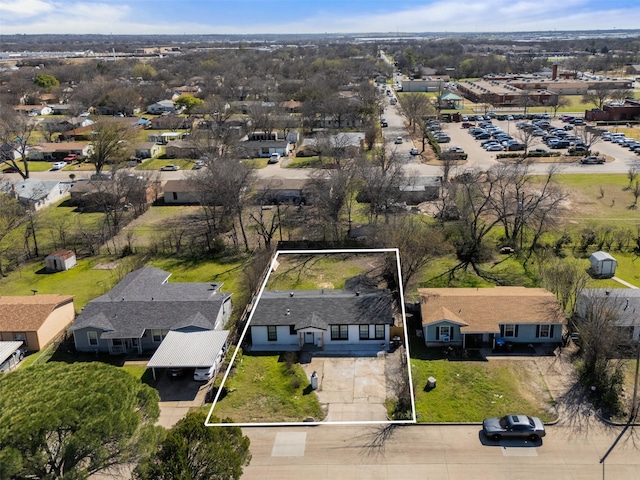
(554, 71)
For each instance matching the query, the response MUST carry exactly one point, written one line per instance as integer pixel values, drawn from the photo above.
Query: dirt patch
(107, 266)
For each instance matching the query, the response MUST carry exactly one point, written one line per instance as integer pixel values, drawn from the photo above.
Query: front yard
(267, 388)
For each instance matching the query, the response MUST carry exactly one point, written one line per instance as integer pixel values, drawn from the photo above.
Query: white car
(275, 158)
(204, 374)
(398, 140)
(414, 151)
(58, 165)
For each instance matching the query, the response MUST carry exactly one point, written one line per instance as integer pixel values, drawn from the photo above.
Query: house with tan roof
(489, 317)
(35, 320)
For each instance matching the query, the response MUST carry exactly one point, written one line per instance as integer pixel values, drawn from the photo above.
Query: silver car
(513, 426)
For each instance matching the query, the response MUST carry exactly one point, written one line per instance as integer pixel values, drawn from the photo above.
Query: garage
(189, 350)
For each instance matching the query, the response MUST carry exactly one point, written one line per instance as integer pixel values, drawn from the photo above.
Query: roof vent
(288, 312)
(291, 294)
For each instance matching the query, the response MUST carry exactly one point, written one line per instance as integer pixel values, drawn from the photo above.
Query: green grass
(306, 162)
(82, 281)
(256, 163)
(262, 390)
(468, 391)
(329, 271)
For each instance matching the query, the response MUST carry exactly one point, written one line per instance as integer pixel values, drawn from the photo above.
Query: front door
(308, 338)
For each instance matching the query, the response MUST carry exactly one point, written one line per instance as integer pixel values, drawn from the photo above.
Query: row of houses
(144, 309)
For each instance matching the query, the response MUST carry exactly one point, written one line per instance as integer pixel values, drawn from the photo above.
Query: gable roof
(28, 313)
(485, 309)
(331, 307)
(145, 300)
(62, 253)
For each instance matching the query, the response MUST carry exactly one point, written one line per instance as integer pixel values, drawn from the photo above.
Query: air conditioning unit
(445, 338)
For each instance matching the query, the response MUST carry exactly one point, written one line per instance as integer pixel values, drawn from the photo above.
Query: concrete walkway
(351, 389)
(626, 284)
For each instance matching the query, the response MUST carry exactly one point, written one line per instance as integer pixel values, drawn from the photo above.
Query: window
(272, 333)
(445, 331)
(339, 332)
(158, 335)
(545, 331)
(175, 195)
(93, 338)
(20, 337)
(379, 332)
(292, 330)
(364, 332)
(510, 330)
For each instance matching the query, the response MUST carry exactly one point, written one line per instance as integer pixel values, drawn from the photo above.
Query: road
(444, 452)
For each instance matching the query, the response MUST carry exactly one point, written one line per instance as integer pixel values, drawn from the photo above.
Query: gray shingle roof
(143, 300)
(625, 300)
(332, 307)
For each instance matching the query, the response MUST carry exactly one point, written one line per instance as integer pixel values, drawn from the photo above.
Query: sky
(311, 16)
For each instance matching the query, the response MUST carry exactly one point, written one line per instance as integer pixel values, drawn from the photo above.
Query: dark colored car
(513, 426)
(175, 372)
(592, 161)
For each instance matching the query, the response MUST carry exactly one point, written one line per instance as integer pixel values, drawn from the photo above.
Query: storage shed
(60, 260)
(603, 265)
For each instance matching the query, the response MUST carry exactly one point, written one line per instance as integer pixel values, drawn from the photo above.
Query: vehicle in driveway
(175, 372)
(398, 140)
(204, 374)
(592, 161)
(72, 157)
(513, 426)
(170, 168)
(58, 165)
(274, 158)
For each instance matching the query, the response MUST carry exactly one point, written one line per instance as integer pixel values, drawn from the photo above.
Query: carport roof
(189, 349)
(7, 349)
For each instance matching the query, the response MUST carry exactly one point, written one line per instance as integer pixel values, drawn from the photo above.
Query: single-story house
(625, 303)
(170, 122)
(334, 321)
(60, 260)
(147, 149)
(343, 143)
(139, 312)
(165, 137)
(180, 192)
(181, 149)
(35, 194)
(603, 265)
(35, 320)
(271, 191)
(161, 107)
(479, 317)
(57, 151)
(255, 148)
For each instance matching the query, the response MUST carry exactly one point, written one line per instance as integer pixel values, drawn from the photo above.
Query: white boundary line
(246, 328)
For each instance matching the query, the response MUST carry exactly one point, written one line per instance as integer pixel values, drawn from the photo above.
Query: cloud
(19, 9)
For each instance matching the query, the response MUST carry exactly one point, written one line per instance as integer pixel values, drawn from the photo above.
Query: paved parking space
(352, 389)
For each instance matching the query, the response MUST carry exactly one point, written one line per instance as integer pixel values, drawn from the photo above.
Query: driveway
(350, 389)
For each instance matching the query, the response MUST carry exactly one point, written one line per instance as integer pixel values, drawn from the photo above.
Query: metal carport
(188, 349)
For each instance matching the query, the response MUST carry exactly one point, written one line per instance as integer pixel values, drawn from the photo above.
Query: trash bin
(431, 382)
(314, 381)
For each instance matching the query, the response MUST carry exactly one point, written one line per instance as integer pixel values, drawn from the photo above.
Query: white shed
(60, 260)
(603, 265)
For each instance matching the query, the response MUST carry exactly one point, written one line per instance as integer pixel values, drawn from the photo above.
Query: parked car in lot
(58, 165)
(514, 426)
(494, 148)
(592, 161)
(170, 168)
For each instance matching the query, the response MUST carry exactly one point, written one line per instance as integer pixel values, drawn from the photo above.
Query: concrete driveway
(350, 389)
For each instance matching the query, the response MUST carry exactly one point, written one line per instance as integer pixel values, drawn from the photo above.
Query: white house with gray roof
(623, 302)
(35, 194)
(334, 321)
(139, 312)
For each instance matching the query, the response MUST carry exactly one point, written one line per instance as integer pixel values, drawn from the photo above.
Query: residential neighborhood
(337, 256)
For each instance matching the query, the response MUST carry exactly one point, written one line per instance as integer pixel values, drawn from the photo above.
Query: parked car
(170, 168)
(58, 165)
(274, 158)
(101, 176)
(514, 426)
(198, 165)
(175, 372)
(494, 148)
(383, 123)
(414, 151)
(442, 138)
(398, 140)
(72, 157)
(204, 374)
(592, 161)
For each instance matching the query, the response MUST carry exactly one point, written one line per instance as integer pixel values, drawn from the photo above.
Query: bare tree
(16, 132)
(589, 136)
(109, 144)
(558, 102)
(11, 214)
(636, 193)
(566, 278)
(632, 174)
(416, 106)
(598, 96)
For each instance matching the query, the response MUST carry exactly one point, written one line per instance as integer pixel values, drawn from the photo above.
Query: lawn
(263, 389)
(312, 272)
(470, 390)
